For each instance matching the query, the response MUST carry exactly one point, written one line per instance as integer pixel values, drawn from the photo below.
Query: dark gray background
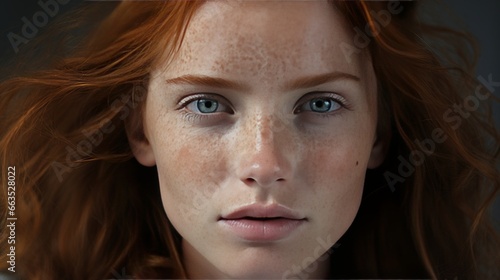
(480, 17)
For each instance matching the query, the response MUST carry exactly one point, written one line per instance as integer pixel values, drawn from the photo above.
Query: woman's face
(261, 131)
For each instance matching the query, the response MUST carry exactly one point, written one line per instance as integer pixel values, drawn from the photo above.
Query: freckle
(356, 163)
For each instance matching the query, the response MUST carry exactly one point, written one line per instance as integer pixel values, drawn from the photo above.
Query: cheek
(339, 176)
(338, 183)
(189, 173)
(335, 170)
(338, 159)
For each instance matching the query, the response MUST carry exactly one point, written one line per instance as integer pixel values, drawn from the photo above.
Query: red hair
(86, 209)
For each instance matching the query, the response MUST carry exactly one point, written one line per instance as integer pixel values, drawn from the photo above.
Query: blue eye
(202, 104)
(206, 106)
(321, 105)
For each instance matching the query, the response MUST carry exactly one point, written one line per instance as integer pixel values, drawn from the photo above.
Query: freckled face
(261, 107)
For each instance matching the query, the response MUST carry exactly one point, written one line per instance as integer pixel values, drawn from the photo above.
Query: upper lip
(257, 210)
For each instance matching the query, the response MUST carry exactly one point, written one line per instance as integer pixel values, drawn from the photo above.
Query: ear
(139, 144)
(379, 149)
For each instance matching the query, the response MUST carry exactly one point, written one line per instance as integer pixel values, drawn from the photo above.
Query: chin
(257, 273)
(258, 267)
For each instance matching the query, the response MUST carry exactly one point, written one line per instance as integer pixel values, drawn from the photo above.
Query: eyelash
(321, 95)
(212, 96)
(192, 116)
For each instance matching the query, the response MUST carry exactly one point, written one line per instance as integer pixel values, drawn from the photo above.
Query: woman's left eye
(320, 105)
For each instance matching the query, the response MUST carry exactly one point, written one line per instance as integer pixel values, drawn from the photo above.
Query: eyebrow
(303, 82)
(203, 80)
(312, 81)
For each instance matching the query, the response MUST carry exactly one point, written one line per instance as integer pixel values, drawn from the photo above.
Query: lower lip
(261, 230)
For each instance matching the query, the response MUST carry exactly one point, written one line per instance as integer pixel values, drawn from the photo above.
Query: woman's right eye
(205, 105)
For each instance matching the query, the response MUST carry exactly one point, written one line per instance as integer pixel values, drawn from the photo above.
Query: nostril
(250, 180)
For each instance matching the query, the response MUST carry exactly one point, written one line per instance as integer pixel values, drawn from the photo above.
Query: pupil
(207, 106)
(320, 105)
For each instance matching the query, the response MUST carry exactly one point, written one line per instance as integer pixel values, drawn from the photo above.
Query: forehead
(265, 39)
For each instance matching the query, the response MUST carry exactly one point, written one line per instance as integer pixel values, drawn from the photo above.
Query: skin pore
(260, 106)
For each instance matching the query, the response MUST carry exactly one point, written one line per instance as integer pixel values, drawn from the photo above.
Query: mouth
(261, 223)
(260, 211)
(258, 218)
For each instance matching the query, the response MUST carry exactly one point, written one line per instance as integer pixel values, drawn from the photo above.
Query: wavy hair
(88, 210)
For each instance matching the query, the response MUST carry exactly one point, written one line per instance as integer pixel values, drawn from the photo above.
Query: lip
(262, 223)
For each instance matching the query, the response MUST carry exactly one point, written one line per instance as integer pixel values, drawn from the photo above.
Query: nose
(262, 147)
